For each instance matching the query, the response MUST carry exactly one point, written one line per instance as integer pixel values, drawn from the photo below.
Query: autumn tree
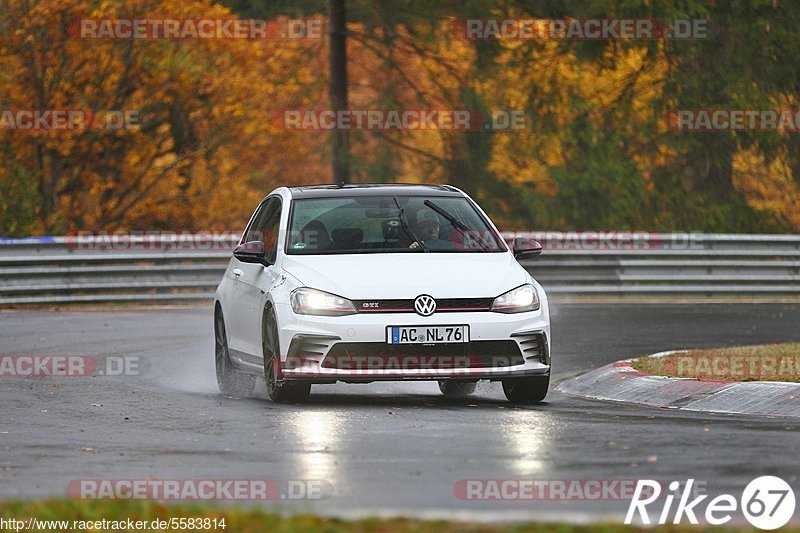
(206, 145)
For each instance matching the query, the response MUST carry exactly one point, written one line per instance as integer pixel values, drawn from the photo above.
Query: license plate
(427, 334)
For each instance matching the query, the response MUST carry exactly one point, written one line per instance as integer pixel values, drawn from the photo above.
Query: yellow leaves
(520, 170)
(211, 144)
(768, 185)
(182, 86)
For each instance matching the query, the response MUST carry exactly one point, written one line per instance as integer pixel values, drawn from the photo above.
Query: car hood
(407, 275)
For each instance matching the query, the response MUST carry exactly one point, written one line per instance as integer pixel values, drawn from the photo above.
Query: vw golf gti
(362, 283)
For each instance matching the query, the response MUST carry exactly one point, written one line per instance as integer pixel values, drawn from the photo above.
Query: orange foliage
(768, 185)
(207, 145)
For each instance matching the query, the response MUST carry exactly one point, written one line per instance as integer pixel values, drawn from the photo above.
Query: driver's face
(428, 230)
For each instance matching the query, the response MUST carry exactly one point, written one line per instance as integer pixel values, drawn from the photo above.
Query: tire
(278, 389)
(230, 380)
(526, 390)
(457, 389)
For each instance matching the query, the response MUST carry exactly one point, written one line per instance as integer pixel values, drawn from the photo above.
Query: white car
(361, 283)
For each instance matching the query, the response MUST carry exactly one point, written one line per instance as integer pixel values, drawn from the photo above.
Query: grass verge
(766, 362)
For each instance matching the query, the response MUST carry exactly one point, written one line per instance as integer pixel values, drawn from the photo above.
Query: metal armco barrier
(61, 270)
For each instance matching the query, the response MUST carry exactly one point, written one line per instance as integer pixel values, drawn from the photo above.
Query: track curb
(619, 382)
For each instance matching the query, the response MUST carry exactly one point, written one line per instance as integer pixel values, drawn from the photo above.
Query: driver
(426, 228)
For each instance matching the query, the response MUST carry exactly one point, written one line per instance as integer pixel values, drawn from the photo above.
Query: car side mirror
(525, 248)
(251, 252)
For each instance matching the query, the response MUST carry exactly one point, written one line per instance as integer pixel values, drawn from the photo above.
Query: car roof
(372, 189)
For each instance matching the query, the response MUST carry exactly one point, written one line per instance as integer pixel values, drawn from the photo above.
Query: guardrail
(60, 270)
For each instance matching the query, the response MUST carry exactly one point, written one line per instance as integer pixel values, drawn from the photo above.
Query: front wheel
(278, 389)
(526, 390)
(231, 381)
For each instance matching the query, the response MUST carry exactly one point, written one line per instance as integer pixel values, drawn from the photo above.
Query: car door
(236, 314)
(257, 279)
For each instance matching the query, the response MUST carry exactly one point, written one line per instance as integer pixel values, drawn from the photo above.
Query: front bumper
(354, 348)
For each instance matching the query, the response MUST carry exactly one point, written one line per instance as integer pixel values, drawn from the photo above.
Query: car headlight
(307, 301)
(523, 298)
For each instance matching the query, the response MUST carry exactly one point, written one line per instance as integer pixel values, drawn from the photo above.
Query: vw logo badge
(425, 305)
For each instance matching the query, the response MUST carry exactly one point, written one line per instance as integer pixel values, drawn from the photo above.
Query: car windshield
(389, 224)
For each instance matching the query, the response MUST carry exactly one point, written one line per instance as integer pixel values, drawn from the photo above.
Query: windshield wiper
(457, 224)
(407, 228)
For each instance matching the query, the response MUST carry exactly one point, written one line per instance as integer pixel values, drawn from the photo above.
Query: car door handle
(237, 272)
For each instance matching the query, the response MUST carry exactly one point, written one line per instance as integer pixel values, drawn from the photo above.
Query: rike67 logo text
(767, 502)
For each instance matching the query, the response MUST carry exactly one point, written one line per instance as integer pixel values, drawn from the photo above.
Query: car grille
(443, 305)
(381, 355)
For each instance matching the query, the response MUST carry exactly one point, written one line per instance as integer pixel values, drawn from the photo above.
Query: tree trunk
(337, 87)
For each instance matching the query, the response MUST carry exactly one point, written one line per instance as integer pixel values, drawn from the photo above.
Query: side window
(252, 233)
(267, 226)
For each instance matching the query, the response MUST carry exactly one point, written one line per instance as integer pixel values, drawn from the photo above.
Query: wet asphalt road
(383, 448)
